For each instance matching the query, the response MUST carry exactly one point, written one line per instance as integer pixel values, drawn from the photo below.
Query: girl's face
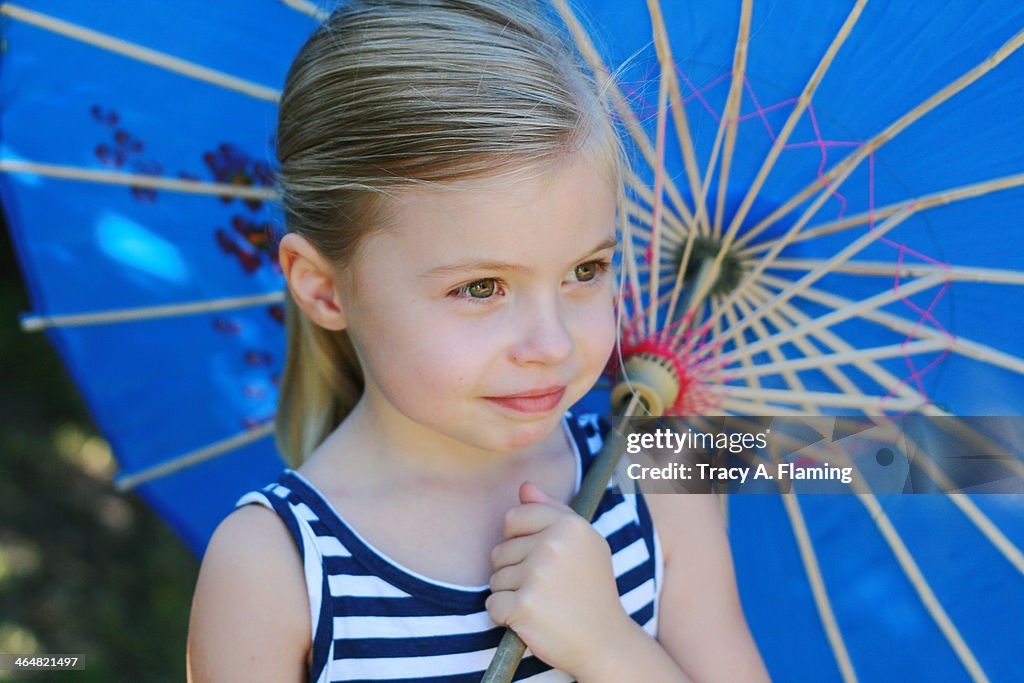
(484, 312)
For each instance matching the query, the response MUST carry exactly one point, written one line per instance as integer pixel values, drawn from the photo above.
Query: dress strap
(296, 516)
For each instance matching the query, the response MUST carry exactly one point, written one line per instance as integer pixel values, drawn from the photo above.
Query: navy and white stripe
(374, 620)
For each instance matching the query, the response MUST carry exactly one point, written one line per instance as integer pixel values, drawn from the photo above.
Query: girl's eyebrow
(476, 265)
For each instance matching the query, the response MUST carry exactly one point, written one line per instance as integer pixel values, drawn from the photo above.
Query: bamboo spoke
(678, 107)
(673, 232)
(885, 380)
(140, 53)
(137, 180)
(794, 117)
(828, 265)
(832, 179)
(659, 181)
(740, 406)
(629, 262)
(731, 114)
(816, 580)
(629, 119)
(903, 270)
(858, 308)
(985, 444)
(747, 363)
(307, 8)
(871, 405)
(761, 332)
(843, 358)
(922, 203)
(124, 315)
(193, 458)
(840, 380)
(958, 344)
(924, 591)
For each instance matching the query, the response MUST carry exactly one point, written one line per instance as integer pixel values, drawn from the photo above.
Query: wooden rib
(637, 184)
(677, 287)
(871, 405)
(810, 561)
(664, 49)
(920, 584)
(306, 8)
(827, 266)
(673, 231)
(914, 574)
(124, 315)
(140, 53)
(731, 114)
(138, 180)
(747, 362)
(833, 178)
(995, 535)
(959, 344)
(985, 443)
(890, 269)
(838, 315)
(629, 262)
(817, 583)
(607, 83)
(743, 407)
(201, 455)
(659, 183)
(761, 332)
(765, 261)
(923, 202)
(963, 502)
(843, 358)
(975, 516)
(839, 379)
(885, 379)
(794, 117)
(715, 303)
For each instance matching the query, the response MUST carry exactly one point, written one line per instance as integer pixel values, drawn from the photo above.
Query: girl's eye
(586, 271)
(590, 271)
(481, 289)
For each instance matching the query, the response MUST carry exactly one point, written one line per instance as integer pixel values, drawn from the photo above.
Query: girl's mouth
(533, 401)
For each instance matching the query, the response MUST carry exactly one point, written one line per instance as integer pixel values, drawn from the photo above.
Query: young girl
(450, 177)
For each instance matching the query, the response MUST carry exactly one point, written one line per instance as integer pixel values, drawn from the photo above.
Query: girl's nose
(542, 335)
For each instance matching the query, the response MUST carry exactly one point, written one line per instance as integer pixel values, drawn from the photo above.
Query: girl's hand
(553, 583)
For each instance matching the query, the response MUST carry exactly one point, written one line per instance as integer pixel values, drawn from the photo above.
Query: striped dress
(375, 620)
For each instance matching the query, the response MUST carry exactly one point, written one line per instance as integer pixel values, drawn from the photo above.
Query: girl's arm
(701, 623)
(249, 616)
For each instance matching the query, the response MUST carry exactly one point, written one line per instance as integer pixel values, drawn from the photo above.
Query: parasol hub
(702, 257)
(653, 378)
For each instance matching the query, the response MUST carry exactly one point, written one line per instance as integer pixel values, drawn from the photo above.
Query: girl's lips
(540, 401)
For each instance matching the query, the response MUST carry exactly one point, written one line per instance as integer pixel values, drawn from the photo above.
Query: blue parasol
(875, 268)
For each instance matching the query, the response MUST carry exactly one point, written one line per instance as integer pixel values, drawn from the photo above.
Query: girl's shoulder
(249, 601)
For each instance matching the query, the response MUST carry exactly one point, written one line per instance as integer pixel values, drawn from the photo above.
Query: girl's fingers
(499, 607)
(530, 518)
(512, 551)
(507, 579)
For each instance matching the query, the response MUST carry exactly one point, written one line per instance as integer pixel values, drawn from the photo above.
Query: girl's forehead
(552, 213)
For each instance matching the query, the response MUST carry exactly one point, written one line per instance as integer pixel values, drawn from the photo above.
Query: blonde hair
(389, 94)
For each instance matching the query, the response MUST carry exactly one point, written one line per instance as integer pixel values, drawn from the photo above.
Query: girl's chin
(526, 435)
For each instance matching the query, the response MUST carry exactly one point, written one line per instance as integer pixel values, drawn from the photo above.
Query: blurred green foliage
(83, 569)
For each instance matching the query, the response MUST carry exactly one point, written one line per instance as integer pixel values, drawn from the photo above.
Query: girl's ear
(312, 281)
